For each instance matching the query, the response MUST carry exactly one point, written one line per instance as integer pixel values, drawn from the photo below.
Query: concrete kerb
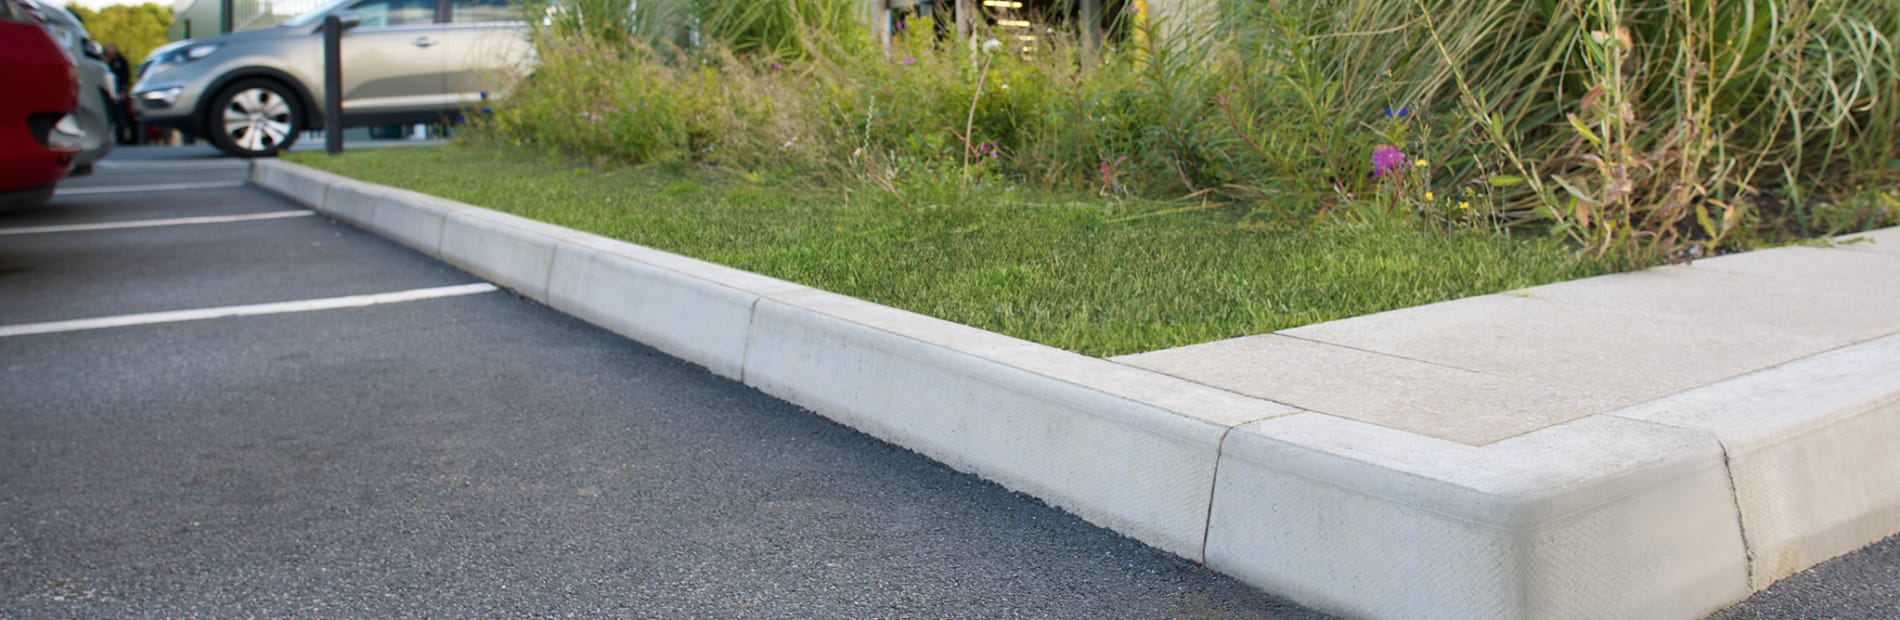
(1097, 445)
(1810, 448)
(1595, 518)
(1631, 514)
(1096, 449)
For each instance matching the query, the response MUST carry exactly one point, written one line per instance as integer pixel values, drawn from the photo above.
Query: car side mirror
(348, 19)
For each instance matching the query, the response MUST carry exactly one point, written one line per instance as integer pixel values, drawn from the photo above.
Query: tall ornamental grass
(1642, 129)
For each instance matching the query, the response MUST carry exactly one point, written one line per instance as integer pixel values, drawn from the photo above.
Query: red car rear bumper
(41, 86)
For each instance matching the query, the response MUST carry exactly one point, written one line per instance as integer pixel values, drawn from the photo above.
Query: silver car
(97, 86)
(407, 61)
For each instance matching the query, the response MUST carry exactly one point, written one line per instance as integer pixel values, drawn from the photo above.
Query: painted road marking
(308, 305)
(206, 163)
(157, 187)
(176, 221)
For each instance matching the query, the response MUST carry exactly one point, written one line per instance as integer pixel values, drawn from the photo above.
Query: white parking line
(208, 163)
(176, 221)
(175, 316)
(155, 187)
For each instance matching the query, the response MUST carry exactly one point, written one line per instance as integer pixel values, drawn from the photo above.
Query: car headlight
(186, 54)
(160, 97)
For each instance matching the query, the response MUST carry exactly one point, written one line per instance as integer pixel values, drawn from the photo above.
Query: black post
(332, 85)
(225, 17)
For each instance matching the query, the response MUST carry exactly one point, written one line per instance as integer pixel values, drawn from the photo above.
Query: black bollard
(333, 80)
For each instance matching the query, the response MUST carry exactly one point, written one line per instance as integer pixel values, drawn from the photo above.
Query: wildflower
(1399, 113)
(990, 46)
(1430, 197)
(1464, 205)
(775, 66)
(907, 60)
(1421, 163)
(1386, 159)
(484, 95)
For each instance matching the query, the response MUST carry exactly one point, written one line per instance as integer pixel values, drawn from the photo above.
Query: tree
(137, 30)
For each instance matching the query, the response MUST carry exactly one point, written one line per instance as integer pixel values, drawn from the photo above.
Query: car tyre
(254, 118)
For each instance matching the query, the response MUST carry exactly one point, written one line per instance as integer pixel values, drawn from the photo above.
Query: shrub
(1641, 128)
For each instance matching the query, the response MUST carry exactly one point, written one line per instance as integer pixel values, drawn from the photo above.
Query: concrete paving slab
(1178, 396)
(1811, 448)
(1429, 399)
(1116, 462)
(1834, 313)
(1599, 518)
(1614, 355)
(1883, 241)
(1817, 265)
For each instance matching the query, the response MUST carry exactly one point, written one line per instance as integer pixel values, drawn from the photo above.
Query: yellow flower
(1464, 205)
(1421, 163)
(1430, 196)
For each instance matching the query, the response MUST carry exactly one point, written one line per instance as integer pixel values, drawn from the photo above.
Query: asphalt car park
(472, 454)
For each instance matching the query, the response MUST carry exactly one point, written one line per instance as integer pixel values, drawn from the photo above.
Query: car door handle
(424, 41)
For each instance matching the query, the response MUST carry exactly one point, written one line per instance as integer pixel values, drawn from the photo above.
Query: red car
(38, 135)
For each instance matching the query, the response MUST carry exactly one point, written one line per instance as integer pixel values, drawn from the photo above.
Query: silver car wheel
(257, 119)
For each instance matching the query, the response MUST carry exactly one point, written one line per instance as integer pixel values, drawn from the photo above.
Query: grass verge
(1088, 275)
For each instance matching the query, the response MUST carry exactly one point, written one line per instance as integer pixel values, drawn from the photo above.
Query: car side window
(381, 13)
(478, 11)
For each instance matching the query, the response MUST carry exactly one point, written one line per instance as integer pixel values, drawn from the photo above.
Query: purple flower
(484, 95)
(1386, 159)
(907, 60)
(775, 66)
(1399, 113)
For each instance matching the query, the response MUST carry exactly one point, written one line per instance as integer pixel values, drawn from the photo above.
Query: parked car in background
(38, 135)
(407, 61)
(98, 88)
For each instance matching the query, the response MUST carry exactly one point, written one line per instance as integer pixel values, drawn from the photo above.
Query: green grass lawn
(1095, 276)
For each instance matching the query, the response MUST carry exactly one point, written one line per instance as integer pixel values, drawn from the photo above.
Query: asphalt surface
(483, 456)
(475, 456)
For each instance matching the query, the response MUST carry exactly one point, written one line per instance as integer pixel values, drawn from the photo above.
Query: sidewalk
(1655, 444)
